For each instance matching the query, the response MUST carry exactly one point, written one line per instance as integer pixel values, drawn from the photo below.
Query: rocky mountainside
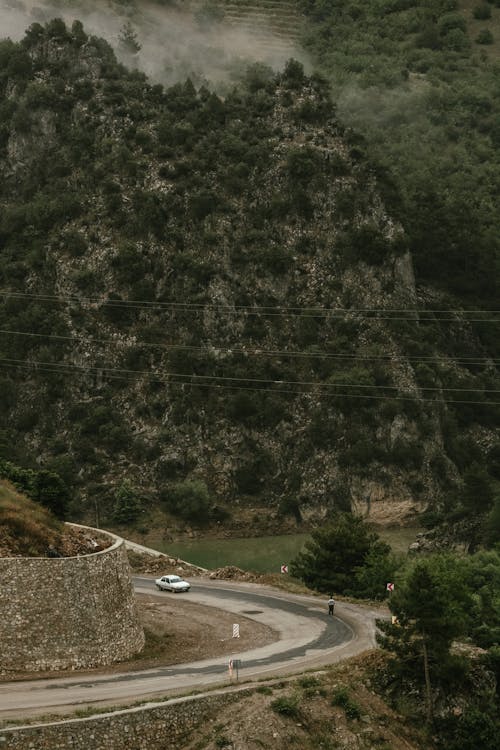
(205, 304)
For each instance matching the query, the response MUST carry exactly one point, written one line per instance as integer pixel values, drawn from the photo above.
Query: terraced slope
(275, 24)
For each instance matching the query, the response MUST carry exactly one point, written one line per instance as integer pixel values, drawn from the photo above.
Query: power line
(268, 310)
(211, 349)
(54, 366)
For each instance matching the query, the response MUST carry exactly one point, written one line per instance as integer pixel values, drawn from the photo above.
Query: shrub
(341, 698)
(308, 681)
(190, 500)
(293, 74)
(264, 690)
(482, 12)
(485, 37)
(287, 705)
(450, 21)
(303, 164)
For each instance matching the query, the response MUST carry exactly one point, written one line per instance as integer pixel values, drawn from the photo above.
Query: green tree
(492, 536)
(50, 490)
(431, 605)
(378, 568)
(482, 578)
(128, 504)
(336, 552)
(477, 493)
(190, 500)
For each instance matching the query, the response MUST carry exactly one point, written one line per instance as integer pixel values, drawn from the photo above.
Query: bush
(293, 74)
(482, 12)
(302, 165)
(341, 698)
(450, 21)
(45, 487)
(286, 706)
(190, 500)
(474, 729)
(485, 37)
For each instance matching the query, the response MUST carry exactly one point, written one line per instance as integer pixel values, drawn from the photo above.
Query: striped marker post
(236, 631)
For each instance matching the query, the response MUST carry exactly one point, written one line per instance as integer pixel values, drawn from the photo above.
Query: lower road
(307, 638)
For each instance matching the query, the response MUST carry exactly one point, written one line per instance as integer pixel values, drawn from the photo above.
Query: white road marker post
(230, 670)
(236, 631)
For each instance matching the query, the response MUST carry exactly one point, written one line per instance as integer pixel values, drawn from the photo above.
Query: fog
(178, 39)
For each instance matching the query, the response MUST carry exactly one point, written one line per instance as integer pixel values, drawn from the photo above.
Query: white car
(172, 583)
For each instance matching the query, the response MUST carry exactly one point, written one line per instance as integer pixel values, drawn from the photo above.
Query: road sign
(390, 587)
(236, 631)
(284, 568)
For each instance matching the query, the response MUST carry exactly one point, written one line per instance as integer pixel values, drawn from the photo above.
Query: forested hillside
(420, 80)
(207, 306)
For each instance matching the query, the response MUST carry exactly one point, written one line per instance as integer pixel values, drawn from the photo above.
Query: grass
(27, 527)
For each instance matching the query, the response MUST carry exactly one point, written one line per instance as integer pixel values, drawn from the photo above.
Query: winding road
(308, 639)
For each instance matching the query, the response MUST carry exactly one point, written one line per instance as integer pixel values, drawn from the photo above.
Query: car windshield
(175, 579)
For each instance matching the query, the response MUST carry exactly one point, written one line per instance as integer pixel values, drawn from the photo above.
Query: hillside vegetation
(419, 80)
(206, 303)
(27, 528)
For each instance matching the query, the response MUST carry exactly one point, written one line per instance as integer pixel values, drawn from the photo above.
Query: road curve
(308, 638)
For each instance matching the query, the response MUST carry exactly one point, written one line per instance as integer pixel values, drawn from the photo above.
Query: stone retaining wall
(163, 726)
(73, 612)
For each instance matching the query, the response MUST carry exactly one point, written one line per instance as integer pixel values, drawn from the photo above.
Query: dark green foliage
(287, 705)
(436, 211)
(365, 243)
(492, 531)
(45, 487)
(250, 477)
(485, 37)
(481, 577)
(473, 729)
(128, 505)
(190, 500)
(482, 12)
(293, 75)
(122, 202)
(342, 698)
(303, 165)
(378, 569)
(432, 606)
(477, 493)
(336, 554)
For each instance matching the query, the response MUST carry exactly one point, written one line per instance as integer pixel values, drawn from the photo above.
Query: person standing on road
(331, 605)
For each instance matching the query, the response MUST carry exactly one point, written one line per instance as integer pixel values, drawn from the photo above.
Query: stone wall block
(67, 613)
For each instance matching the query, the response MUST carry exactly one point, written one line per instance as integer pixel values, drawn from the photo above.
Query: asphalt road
(308, 638)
